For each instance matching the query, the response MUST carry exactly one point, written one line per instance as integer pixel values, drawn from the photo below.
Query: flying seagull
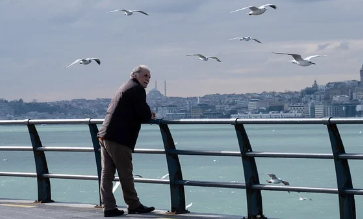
(205, 58)
(117, 184)
(276, 180)
(85, 61)
(300, 61)
(128, 12)
(256, 10)
(246, 38)
(166, 175)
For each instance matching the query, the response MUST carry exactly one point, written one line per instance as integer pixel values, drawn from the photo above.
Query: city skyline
(44, 37)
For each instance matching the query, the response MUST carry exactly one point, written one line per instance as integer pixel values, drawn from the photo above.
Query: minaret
(164, 87)
(361, 76)
(156, 85)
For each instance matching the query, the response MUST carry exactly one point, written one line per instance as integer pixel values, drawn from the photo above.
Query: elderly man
(117, 138)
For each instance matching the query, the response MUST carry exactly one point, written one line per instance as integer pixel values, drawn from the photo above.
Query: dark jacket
(127, 110)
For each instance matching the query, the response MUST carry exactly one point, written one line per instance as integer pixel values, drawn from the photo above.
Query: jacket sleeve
(140, 106)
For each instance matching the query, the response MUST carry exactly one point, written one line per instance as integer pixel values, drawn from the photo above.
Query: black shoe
(113, 213)
(140, 209)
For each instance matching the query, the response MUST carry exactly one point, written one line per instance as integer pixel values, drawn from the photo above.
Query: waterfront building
(270, 115)
(6, 112)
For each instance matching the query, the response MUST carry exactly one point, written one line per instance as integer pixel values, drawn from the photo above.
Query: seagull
(205, 58)
(166, 175)
(303, 199)
(276, 180)
(256, 10)
(246, 38)
(85, 61)
(128, 12)
(117, 184)
(300, 61)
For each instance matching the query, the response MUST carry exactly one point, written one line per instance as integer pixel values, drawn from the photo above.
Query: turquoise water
(273, 138)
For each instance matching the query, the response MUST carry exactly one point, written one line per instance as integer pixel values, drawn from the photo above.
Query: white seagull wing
(242, 9)
(74, 62)
(313, 56)
(142, 12)
(188, 206)
(115, 186)
(166, 175)
(235, 38)
(271, 5)
(115, 10)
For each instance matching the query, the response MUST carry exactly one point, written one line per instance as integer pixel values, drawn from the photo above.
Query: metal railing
(253, 188)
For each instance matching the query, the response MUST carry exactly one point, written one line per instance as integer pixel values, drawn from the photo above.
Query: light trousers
(118, 157)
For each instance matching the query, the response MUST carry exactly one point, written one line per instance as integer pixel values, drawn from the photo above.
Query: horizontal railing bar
(193, 183)
(294, 189)
(284, 121)
(90, 177)
(351, 156)
(18, 174)
(69, 176)
(72, 149)
(205, 153)
(289, 155)
(153, 181)
(346, 120)
(306, 189)
(356, 156)
(196, 121)
(65, 149)
(210, 184)
(354, 191)
(16, 148)
(150, 151)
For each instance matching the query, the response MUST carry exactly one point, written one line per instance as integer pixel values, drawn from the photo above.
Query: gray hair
(138, 69)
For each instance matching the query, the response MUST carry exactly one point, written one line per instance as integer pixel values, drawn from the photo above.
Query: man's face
(143, 77)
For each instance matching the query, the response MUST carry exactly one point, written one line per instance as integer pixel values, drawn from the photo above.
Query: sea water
(294, 138)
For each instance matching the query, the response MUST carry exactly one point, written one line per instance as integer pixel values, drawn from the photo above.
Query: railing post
(344, 179)
(175, 173)
(96, 147)
(254, 197)
(44, 189)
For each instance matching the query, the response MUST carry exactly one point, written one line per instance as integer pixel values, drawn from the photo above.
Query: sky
(39, 38)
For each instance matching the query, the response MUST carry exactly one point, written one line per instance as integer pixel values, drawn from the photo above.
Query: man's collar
(135, 80)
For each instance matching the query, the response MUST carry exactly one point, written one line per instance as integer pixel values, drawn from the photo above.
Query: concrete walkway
(24, 209)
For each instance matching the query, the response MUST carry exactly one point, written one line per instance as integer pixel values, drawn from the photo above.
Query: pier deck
(20, 209)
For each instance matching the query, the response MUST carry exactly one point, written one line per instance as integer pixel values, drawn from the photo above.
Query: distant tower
(361, 76)
(198, 100)
(156, 85)
(164, 87)
(315, 85)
